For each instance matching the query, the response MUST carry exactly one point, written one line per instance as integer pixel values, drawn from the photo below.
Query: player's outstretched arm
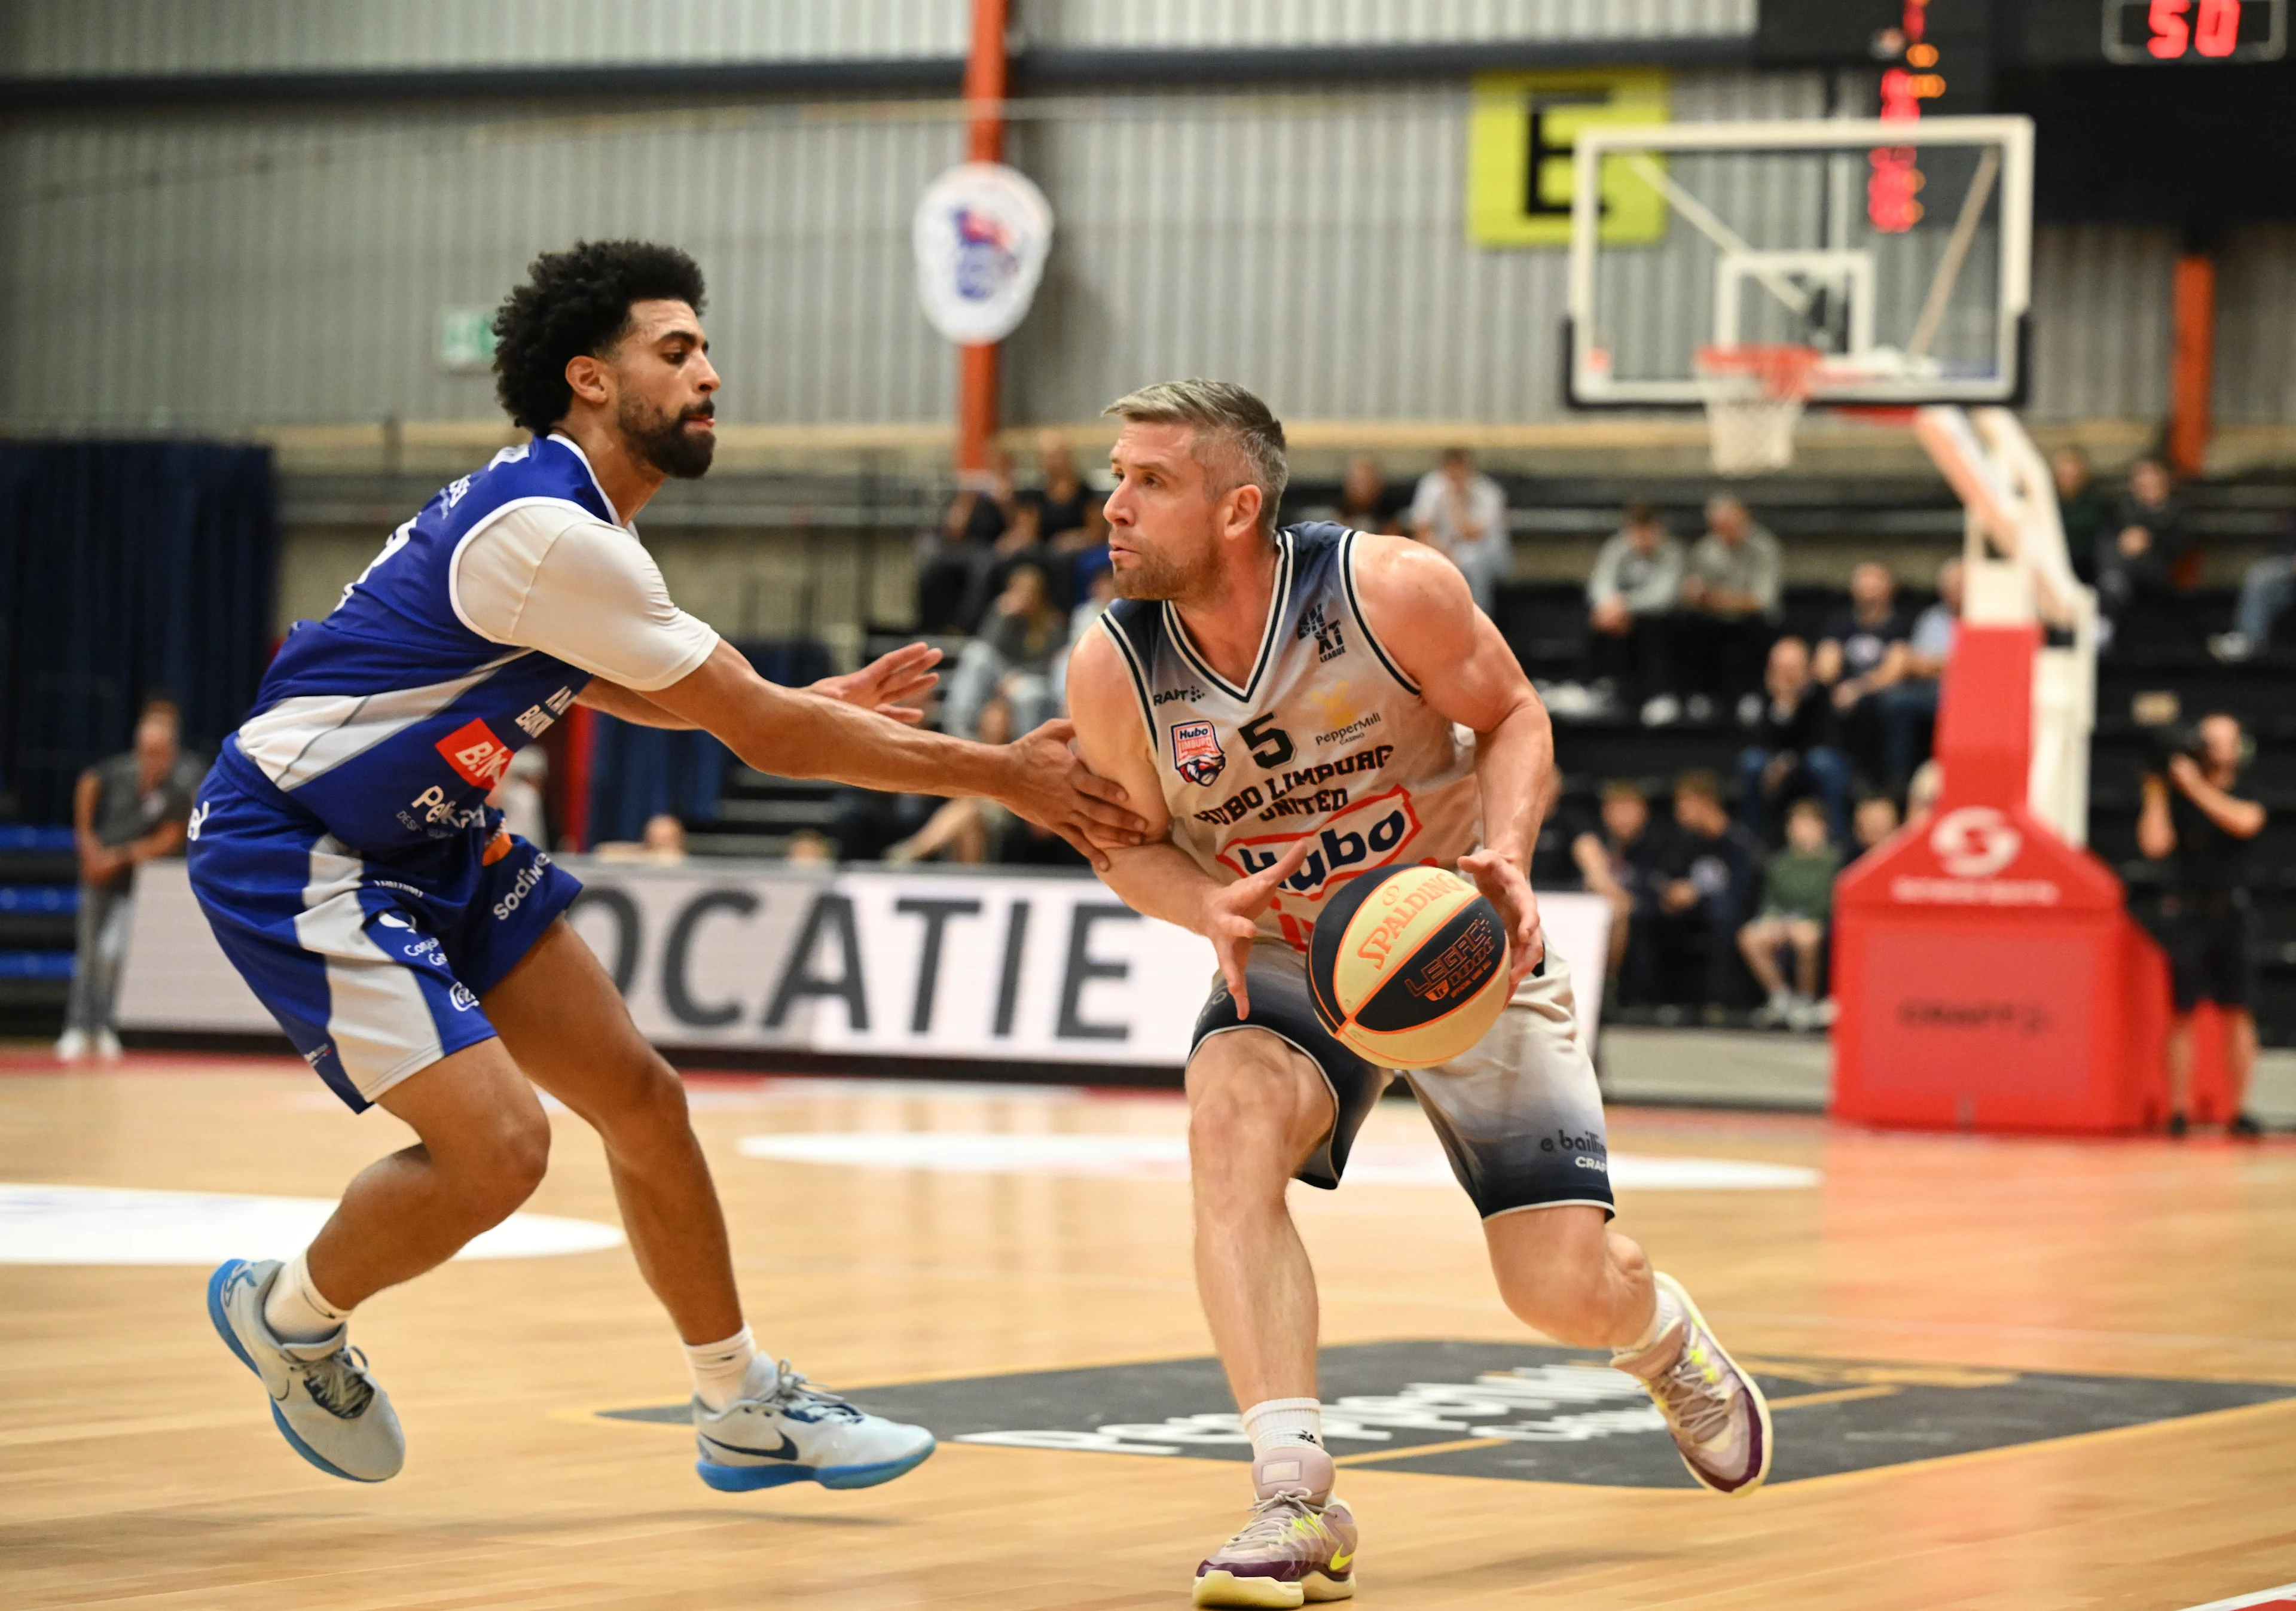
(797, 734)
(1419, 606)
(887, 685)
(1157, 878)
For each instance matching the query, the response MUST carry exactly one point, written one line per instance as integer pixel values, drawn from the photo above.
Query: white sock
(730, 1370)
(295, 1311)
(1273, 1422)
(1664, 1313)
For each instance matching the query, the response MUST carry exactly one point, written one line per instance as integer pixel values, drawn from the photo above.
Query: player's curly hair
(573, 302)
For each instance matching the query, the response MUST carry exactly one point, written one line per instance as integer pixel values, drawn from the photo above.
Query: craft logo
(478, 757)
(1975, 842)
(1196, 753)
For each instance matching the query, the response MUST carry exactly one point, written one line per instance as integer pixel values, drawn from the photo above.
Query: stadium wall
(226, 271)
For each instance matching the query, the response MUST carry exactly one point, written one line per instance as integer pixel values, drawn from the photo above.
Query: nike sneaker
(323, 1401)
(1300, 1544)
(795, 1431)
(1721, 1421)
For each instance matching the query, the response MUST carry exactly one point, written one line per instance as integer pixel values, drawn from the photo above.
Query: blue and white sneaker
(323, 1401)
(794, 1432)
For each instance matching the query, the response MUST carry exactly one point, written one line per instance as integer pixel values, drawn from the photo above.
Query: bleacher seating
(39, 914)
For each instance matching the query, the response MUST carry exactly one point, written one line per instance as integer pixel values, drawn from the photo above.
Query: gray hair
(1222, 415)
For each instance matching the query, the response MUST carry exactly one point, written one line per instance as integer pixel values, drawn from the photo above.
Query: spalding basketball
(1408, 968)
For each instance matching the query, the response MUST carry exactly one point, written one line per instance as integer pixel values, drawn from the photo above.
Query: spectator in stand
(1862, 654)
(1730, 607)
(809, 848)
(1066, 510)
(125, 812)
(661, 843)
(972, 831)
(2081, 508)
(2137, 554)
(1013, 657)
(953, 576)
(519, 795)
(2266, 591)
(1463, 514)
(1872, 820)
(1630, 599)
(1797, 905)
(1366, 502)
(1616, 861)
(1792, 756)
(2191, 813)
(1909, 708)
(1701, 879)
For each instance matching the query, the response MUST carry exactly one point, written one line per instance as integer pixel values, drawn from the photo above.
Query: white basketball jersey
(1325, 741)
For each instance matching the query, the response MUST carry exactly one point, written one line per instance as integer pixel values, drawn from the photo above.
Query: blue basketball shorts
(1520, 1114)
(375, 969)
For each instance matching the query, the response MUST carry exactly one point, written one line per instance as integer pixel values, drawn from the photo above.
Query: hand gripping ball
(1408, 968)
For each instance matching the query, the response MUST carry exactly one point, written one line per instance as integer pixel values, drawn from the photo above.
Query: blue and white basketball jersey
(1326, 740)
(391, 720)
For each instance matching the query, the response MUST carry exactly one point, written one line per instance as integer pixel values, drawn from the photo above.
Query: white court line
(1165, 1157)
(108, 1225)
(2283, 1595)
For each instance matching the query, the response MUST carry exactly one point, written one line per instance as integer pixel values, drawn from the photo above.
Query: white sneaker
(2231, 647)
(1749, 710)
(1777, 1013)
(71, 1046)
(107, 1047)
(797, 1433)
(323, 1401)
(1661, 711)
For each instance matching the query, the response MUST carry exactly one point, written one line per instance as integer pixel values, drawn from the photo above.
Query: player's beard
(1156, 577)
(662, 441)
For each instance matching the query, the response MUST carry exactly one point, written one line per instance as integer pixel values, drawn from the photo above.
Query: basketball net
(1754, 396)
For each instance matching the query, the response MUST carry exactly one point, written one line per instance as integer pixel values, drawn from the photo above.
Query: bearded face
(660, 438)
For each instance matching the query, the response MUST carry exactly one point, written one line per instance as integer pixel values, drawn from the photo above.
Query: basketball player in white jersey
(1308, 705)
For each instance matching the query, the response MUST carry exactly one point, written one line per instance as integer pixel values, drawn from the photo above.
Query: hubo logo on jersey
(1975, 842)
(982, 233)
(1196, 753)
(1370, 834)
(478, 757)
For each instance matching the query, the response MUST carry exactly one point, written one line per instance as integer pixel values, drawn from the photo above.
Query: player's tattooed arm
(1157, 878)
(1418, 605)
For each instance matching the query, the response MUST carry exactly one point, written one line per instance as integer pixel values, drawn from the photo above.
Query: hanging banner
(1522, 134)
(901, 963)
(981, 234)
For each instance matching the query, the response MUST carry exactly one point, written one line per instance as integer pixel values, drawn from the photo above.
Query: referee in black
(2191, 815)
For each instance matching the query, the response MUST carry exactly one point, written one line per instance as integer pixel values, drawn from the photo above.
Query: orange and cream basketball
(1408, 968)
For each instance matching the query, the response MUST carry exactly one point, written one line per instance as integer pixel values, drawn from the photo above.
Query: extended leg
(1255, 1109)
(559, 1015)
(1564, 1272)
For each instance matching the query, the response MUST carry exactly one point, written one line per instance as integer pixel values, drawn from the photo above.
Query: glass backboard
(1900, 250)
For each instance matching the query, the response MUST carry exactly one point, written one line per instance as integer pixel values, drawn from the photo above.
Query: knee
(646, 1107)
(500, 1167)
(1244, 1144)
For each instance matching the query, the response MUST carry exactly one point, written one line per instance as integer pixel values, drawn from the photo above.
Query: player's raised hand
(1502, 882)
(1232, 917)
(892, 684)
(1055, 789)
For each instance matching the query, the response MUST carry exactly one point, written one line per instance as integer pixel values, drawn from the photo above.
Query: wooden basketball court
(1930, 1312)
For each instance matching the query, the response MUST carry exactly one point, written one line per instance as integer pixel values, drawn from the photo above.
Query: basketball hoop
(1754, 395)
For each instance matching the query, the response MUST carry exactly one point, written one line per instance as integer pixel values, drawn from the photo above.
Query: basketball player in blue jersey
(416, 954)
(1307, 705)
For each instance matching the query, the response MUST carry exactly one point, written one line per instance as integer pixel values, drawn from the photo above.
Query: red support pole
(985, 81)
(581, 743)
(2192, 369)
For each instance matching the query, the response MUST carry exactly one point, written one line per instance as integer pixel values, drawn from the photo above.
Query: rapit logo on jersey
(1196, 753)
(1368, 834)
(1165, 696)
(478, 757)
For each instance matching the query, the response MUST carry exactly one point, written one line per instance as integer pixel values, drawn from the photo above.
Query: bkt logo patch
(476, 754)
(1196, 753)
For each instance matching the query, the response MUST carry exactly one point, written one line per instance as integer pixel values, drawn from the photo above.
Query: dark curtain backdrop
(127, 569)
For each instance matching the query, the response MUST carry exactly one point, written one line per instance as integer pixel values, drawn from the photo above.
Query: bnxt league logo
(1975, 842)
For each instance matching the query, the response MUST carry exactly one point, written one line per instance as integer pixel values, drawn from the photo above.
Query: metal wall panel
(1314, 250)
(93, 38)
(211, 273)
(1181, 24)
(2101, 322)
(2256, 328)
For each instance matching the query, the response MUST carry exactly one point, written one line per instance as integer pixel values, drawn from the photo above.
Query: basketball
(1408, 968)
